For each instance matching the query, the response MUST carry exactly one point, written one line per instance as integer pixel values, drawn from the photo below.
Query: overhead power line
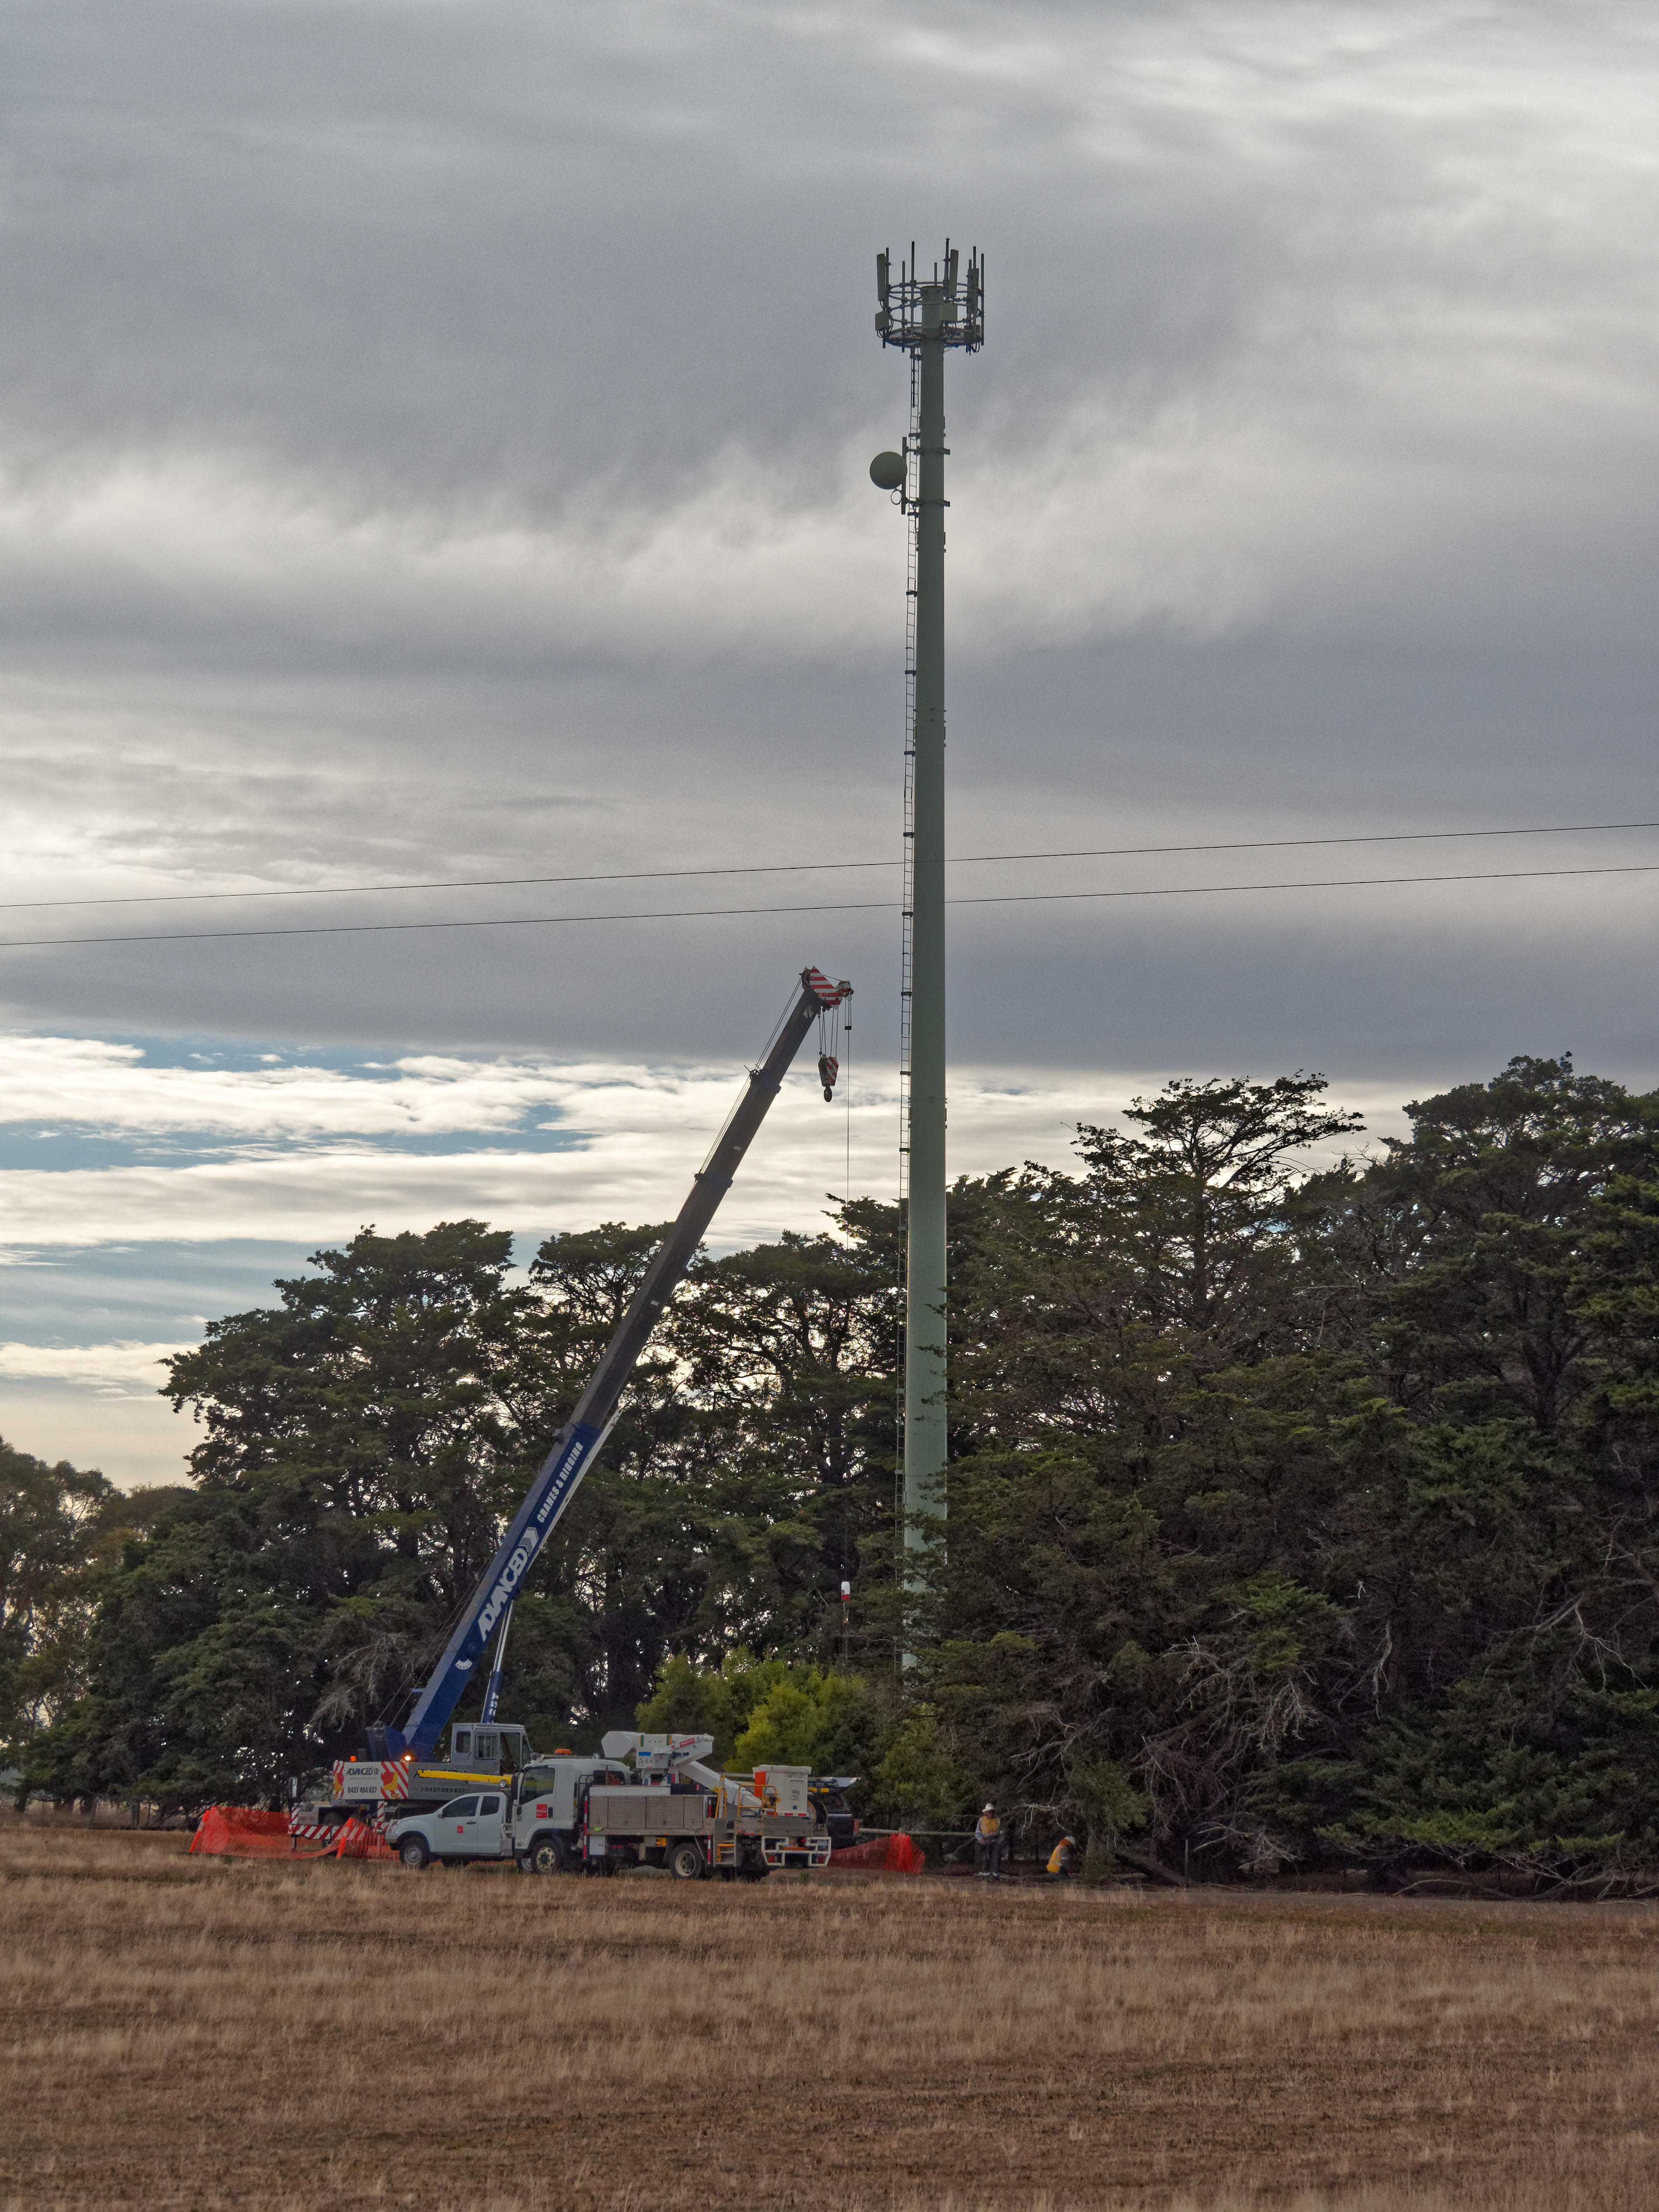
(841, 906)
(815, 867)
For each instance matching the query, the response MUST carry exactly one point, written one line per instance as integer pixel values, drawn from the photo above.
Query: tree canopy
(1300, 1503)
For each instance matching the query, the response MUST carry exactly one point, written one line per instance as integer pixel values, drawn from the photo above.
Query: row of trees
(1292, 1516)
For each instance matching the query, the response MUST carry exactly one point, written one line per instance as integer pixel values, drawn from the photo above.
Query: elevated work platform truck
(401, 1771)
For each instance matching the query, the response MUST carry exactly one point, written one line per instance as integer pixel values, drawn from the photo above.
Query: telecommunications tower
(924, 317)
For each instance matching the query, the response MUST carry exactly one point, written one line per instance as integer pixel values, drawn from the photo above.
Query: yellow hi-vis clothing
(989, 1826)
(1060, 1858)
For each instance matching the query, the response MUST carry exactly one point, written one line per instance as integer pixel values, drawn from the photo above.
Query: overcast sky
(433, 444)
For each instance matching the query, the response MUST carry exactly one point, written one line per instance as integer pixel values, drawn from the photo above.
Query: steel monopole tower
(925, 317)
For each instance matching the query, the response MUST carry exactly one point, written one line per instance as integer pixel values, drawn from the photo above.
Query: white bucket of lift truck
(783, 1788)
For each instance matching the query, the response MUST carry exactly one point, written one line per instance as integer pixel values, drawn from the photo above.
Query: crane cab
(497, 1746)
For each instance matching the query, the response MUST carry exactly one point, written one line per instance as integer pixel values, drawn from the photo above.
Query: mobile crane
(400, 1771)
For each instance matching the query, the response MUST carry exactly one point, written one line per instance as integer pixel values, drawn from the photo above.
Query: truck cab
(549, 1809)
(828, 1796)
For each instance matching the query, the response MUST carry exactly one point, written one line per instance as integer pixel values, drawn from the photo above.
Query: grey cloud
(1302, 485)
(453, 254)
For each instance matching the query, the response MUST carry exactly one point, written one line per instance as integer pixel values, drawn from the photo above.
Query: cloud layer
(433, 444)
(296, 1153)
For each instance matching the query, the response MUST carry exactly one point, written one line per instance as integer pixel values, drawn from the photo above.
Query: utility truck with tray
(647, 1801)
(400, 1778)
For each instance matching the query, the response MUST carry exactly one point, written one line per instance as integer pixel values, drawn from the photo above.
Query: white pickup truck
(647, 1801)
(470, 1827)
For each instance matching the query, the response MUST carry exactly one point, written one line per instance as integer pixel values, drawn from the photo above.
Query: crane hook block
(829, 1068)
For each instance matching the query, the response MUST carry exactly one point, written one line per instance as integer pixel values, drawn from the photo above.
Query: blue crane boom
(580, 1439)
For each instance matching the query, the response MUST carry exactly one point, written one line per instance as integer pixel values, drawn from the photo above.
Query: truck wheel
(685, 1860)
(413, 1853)
(545, 1855)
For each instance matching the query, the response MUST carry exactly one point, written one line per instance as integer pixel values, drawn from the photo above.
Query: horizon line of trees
(1294, 1517)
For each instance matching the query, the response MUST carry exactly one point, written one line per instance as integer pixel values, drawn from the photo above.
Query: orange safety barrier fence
(359, 1841)
(242, 1831)
(882, 1854)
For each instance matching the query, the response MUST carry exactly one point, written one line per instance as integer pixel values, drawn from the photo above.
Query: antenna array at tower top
(946, 305)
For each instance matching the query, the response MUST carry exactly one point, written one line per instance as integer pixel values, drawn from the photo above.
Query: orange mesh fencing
(242, 1831)
(882, 1854)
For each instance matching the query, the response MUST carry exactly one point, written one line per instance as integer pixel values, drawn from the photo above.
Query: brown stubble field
(187, 2033)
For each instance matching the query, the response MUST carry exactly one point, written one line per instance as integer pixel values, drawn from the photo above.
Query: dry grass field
(196, 2034)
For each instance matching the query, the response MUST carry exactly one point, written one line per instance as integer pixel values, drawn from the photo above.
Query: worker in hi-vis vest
(987, 1841)
(1063, 1859)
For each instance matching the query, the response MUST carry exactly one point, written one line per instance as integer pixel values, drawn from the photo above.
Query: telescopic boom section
(580, 1439)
